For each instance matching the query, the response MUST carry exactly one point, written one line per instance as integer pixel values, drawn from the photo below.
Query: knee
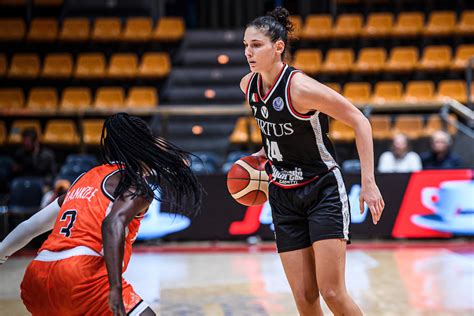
(306, 297)
(332, 295)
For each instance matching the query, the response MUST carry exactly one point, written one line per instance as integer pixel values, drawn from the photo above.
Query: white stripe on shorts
(345, 202)
(139, 309)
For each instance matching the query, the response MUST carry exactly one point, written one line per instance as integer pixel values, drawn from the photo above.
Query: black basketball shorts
(316, 211)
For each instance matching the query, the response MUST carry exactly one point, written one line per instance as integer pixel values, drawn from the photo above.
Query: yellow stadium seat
(11, 98)
(452, 124)
(42, 99)
(138, 29)
(435, 58)
(371, 60)
(433, 124)
(463, 54)
(297, 23)
(43, 30)
(466, 24)
(357, 92)
(76, 98)
(90, 66)
(334, 85)
(410, 125)
(106, 29)
(338, 60)
(409, 24)
(240, 134)
(381, 127)
(12, 29)
(3, 133)
(109, 98)
(402, 60)
(455, 89)
(340, 132)
(75, 30)
(255, 135)
(378, 25)
(17, 128)
(154, 65)
(142, 97)
(92, 131)
(440, 23)
(60, 132)
(123, 66)
(317, 27)
(169, 29)
(308, 60)
(388, 91)
(3, 65)
(419, 91)
(348, 26)
(24, 66)
(57, 66)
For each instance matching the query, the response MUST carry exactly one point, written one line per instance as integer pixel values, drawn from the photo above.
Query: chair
(419, 91)
(106, 29)
(240, 134)
(388, 91)
(378, 25)
(123, 66)
(109, 98)
(142, 97)
(308, 60)
(357, 92)
(3, 65)
(137, 29)
(19, 126)
(435, 58)
(25, 195)
(76, 98)
(12, 30)
(75, 30)
(60, 132)
(371, 60)
(71, 171)
(57, 66)
(3, 133)
(154, 65)
(440, 23)
(87, 159)
(24, 66)
(347, 26)
(92, 131)
(410, 125)
(463, 54)
(408, 24)
(338, 61)
(297, 23)
(381, 127)
(317, 27)
(455, 89)
(42, 99)
(340, 132)
(433, 124)
(169, 29)
(402, 60)
(255, 135)
(11, 98)
(43, 30)
(90, 66)
(334, 85)
(465, 26)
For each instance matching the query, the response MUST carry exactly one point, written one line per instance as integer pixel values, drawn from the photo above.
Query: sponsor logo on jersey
(264, 111)
(287, 177)
(272, 129)
(278, 104)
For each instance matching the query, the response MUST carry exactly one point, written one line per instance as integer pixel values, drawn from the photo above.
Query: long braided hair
(149, 164)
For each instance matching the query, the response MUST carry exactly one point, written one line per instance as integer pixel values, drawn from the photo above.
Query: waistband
(47, 255)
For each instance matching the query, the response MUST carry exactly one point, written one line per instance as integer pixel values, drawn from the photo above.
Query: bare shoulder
(302, 85)
(245, 81)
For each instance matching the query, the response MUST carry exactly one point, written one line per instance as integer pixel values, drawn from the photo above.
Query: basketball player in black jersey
(309, 202)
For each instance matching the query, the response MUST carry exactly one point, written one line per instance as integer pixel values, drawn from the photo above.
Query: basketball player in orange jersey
(309, 203)
(78, 269)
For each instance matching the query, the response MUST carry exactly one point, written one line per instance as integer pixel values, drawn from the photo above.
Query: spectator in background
(34, 160)
(440, 155)
(399, 158)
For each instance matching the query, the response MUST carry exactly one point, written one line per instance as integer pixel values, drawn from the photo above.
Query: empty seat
(378, 25)
(402, 59)
(61, 132)
(12, 29)
(419, 91)
(409, 24)
(463, 54)
(338, 60)
(11, 98)
(76, 98)
(3, 65)
(308, 60)
(25, 195)
(339, 131)
(297, 23)
(381, 126)
(24, 66)
(75, 30)
(434, 123)
(255, 135)
(137, 29)
(142, 97)
(317, 27)
(334, 85)
(42, 99)
(410, 125)
(440, 23)
(435, 58)
(106, 29)
(43, 30)
(154, 65)
(123, 66)
(388, 91)
(92, 131)
(357, 92)
(455, 89)
(348, 26)
(109, 97)
(240, 134)
(90, 66)
(371, 60)
(466, 23)
(169, 29)
(57, 66)
(19, 126)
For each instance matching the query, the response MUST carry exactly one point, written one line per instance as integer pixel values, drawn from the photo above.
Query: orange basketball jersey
(85, 206)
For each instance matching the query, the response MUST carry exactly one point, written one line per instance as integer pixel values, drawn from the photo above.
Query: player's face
(260, 51)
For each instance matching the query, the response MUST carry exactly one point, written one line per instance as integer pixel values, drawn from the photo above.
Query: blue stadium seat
(232, 158)
(25, 195)
(204, 162)
(79, 158)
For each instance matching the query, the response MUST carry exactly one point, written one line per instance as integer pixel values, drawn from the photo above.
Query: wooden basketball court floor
(383, 278)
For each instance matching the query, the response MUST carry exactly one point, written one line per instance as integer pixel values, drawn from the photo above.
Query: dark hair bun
(281, 15)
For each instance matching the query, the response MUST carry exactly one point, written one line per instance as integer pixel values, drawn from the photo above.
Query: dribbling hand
(370, 194)
(116, 303)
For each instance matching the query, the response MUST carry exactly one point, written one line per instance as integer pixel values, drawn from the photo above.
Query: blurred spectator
(399, 158)
(34, 160)
(440, 155)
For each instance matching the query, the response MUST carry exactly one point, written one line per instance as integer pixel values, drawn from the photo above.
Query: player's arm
(307, 94)
(39, 223)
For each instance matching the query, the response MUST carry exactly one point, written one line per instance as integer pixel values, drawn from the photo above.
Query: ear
(280, 46)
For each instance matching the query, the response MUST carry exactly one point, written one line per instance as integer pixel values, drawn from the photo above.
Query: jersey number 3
(71, 216)
(274, 151)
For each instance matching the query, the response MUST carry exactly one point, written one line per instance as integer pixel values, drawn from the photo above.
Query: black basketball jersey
(296, 144)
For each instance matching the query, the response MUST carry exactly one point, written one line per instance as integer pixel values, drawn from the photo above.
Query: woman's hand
(370, 194)
(116, 302)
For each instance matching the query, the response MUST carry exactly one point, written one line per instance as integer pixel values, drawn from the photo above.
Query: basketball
(247, 181)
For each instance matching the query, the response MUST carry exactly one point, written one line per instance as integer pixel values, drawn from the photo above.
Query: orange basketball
(247, 181)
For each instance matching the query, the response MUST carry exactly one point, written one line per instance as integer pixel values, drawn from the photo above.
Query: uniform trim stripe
(275, 84)
(107, 194)
(292, 110)
(247, 96)
(344, 201)
(323, 152)
(138, 309)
